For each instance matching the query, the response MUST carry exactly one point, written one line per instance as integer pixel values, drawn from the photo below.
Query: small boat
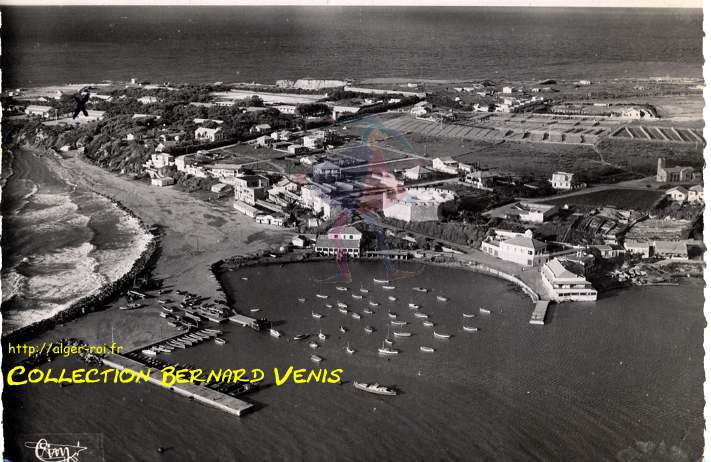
(322, 336)
(392, 299)
(470, 329)
(392, 315)
(321, 296)
(355, 315)
(244, 278)
(364, 291)
(427, 349)
(220, 341)
(167, 309)
(342, 330)
(420, 289)
(328, 305)
(383, 350)
(149, 352)
(349, 350)
(484, 311)
(389, 287)
(402, 334)
(274, 333)
(398, 323)
(342, 289)
(255, 310)
(413, 306)
(442, 298)
(468, 315)
(341, 305)
(381, 281)
(388, 341)
(313, 345)
(428, 324)
(316, 315)
(301, 300)
(369, 329)
(316, 358)
(343, 310)
(301, 337)
(374, 388)
(163, 314)
(421, 315)
(438, 335)
(367, 311)
(372, 303)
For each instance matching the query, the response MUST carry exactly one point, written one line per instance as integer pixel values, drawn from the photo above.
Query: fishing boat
(420, 289)
(402, 334)
(343, 310)
(321, 296)
(355, 315)
(389, 287)
(149, 352)
(392, 315)
(398, 323)
(328, 305)
(470, 329)
(356, 296)
(244, 278)
(392, 299)
(316, 358)
(484, 311)
(369, 329)
(374, 388)
(301, 300)
(383, 350)
(274, 333)
(428, 324)
(316, 315)
(364, 291)
(413, 306)
(438, 335)
(163, 315)
(468, 315)
(322, 336)
(313, 345)
(341, 305)
(255, 310)
(442, 298)
(163, 301)
(220, 341)
(372, 303)
(421, 315)
(349, 350)
(301, 336)
(168, 309)
(342, 330)
(381, 281)
(367, 311)
(427, 349)
(342, 289)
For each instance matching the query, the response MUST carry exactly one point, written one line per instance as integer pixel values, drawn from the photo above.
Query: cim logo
(54, 452)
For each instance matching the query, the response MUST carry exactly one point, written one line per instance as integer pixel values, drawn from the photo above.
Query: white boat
(342, 289)
(149, 352)
(484, 311)
(371, 303)
(374, 388)
(442, 298)
(322, 336)
(328, 305)
(301, 300)
(301, 337)
(367, 311)
(321, 296)
(369, 329)
(421, 315)
(427, 349)
(220, 341)
(355, 315)
(398, 323)
(383, 350)
(381, 281)
(388, 341)
(341, 305)
(468, 315)
(364, 291)
(313, 345)
(389, 287)
(392, 315)
(274, 333)
(392, 299)
(420, 289)
(402, 334)
(413, 306)
(438, 335)
(356, 296)
(428, 324)
(349, 350)
(316, 358)
(316, 315)
(244, 278)
(342, 330)
(470, 329)
(163, 314)
(255, 310)
(343, 310)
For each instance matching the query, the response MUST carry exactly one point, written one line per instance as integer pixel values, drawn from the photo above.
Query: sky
(527, 3)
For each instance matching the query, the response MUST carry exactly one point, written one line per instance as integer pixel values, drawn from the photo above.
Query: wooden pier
(194, 391)
(539, 312)
(244, 321)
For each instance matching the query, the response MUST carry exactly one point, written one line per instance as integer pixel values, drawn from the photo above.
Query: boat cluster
(184, 341)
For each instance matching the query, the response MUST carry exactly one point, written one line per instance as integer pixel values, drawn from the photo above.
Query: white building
(340, 241)
(160, 160)
(677, 194)
(417, 172)
(208, 134)
(480, 179)
(41, 111)
(507, 90)
(281, 135)
(562, 181)
(162, 181)
(147, 99)
(260, 128)
(250, 188)
(642, 248)
(531, 212)
(445, 165)
(696, 193)
(415, 204)
(313, 141)
(520, 248)
(564, 285)
(285, 108)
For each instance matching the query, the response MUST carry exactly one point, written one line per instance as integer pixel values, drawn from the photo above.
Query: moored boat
(369, 329)
(255, 310)
(313, 345)
(398, 323)
(383, 350)
(274, 333)
(414, 306)
(470, 329)
(427, 349)
(321, 296)
(342, 289)
(374, 388)
(316, 315)
(355, 315)
(428, 324)
(484, 311)
(392, 315)
(322, 336)
(381, 281)
(392, 299)
(316, 358)
(343, 310)
(468, 315)
(367, 311)
(421, 315)
(364, 291)
(328, 305)
(349, 350)
(341, 305)
(372, 303)
(402, 334)
(438, 335)
(301, 300)
(442, 298)
(342, 330)
(389, 287)
(420, 289)
(301, 336)
(220, 341)
(357, 296)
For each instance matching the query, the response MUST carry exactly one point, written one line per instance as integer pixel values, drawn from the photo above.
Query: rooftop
(527, 242)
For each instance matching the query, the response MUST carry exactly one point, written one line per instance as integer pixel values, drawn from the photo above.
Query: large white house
(208, 134)
(445, 165)
(564, 285)
(415, 204)
(340, 241)
(519, 248)
(562, 181)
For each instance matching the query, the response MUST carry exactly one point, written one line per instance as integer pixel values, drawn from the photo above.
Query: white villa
(564, 285)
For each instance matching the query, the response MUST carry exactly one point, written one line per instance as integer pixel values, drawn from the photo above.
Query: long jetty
(200, 394)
